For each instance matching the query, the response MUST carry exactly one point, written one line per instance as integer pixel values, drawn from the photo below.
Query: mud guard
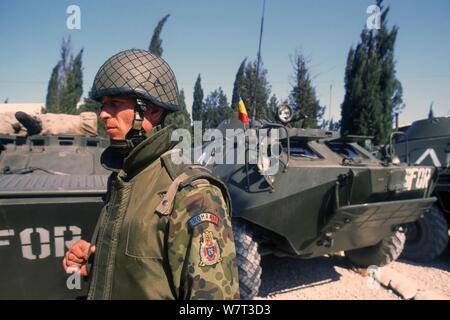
(362, 225)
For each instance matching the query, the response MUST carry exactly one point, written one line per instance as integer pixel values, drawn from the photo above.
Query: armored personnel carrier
(329, 194)
(427, 142)
(51, 189)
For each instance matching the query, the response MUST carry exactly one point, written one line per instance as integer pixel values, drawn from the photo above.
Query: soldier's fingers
(74, 258)
(73, 269)
(86, 248)
(83, 271)
(68, 268)
(84, 245)
(72, 263)
(78, 251)
(93, 248)
(66, 257)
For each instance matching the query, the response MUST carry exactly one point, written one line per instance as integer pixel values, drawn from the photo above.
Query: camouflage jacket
(165, 231)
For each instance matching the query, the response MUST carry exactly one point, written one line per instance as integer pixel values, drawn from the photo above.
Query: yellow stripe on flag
(243, 116)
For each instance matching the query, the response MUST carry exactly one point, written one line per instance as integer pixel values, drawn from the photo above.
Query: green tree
(197, 104)
(180, 119)
(430, 112)
(73, 89)
(57, 80)
(156, 42)
(331, 125)
(353, 87)
(303, 94)
(255, 91)
(238, 85)
(373, 94)
(216, 109)
(52, 99)
(66, 82)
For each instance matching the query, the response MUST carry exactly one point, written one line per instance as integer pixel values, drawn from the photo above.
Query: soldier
(165, 231)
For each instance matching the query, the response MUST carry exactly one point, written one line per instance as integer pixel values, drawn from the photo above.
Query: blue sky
(213, 37)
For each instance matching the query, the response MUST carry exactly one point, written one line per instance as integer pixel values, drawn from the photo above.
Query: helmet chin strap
(136, 134)
(136, 131)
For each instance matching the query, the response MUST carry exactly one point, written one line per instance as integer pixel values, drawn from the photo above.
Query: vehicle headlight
(285, 114)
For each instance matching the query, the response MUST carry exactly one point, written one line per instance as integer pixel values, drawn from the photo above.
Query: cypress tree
(51, 101)
(260, 95)
(430, 112)
(156, 42)
(303, 95)
(180, 119)
(238, 85)
(197, 104)
(373, 93)
(65, 86)
(73, 90)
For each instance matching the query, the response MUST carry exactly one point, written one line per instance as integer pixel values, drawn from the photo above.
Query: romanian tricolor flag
(243, 116)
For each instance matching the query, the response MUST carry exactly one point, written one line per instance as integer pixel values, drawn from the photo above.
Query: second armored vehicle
(427, 142)
(51, 189)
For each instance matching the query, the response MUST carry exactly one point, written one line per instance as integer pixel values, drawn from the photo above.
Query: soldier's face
(118, 113)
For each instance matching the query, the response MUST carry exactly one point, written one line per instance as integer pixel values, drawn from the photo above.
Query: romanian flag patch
(203, 217)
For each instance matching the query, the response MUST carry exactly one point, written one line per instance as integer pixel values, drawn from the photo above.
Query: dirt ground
(335, 278)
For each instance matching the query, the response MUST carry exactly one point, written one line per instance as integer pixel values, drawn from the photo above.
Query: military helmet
(139, 73)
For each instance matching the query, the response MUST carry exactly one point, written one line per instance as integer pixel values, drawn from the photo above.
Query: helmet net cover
(139, 73)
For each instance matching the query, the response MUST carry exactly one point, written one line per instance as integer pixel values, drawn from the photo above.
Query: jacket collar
(157, 143)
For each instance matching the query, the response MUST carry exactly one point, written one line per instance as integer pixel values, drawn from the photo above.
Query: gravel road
(335, 278)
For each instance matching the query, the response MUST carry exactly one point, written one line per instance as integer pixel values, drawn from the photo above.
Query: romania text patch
(210, 251)
(203, 217)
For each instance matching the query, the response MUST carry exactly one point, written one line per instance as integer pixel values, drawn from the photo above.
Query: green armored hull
(51, 190)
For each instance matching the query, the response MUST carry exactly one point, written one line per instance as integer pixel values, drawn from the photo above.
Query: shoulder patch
(203, 217)
(210, 251)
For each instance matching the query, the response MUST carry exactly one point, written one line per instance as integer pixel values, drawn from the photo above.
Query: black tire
(248, 260)
(381, 254)
(427, 238)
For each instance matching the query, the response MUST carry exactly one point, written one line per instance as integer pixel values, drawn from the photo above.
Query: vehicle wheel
(248, 260)
(426, 238)
(383, 253)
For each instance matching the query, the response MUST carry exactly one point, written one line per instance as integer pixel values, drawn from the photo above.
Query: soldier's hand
(77, 257)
